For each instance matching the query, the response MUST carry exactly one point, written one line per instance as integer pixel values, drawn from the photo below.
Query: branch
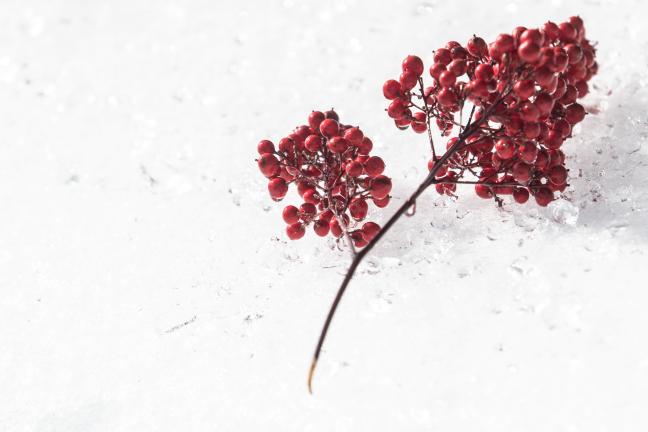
(359, 256)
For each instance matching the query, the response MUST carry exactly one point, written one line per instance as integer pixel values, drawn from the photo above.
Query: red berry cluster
(523, 89)
(335, 175)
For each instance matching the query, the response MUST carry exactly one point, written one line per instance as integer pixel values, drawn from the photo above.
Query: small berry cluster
(335, 175)
(523, 89)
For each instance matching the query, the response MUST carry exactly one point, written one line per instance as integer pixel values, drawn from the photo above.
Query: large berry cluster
(523, 89)
(331, 166)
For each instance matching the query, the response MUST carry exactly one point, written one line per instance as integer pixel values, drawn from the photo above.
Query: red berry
(321, 227)
(521, 195)
(354, 169)
(374, 166)
(277, 188)
(365, 146)
(446, 97)
(358, 208)
(544, 196)
(338, 144)
(307, 211)
(414, 64)
(558, 175)
(313, 143)
(504, 43)
(290, 214)
(370, 230)
(483, 191)
(521, 172)
(268, 165)
(329, 128)
(442, 56)
(504, 148)
(524, 89)
(447, 78)
(380, 186)
(392, 89)
(265, 146)
(354, 136)
(408, 80)
(529, 51)
(335, 227)
(477, 47)
(484, 72)
(574, 113)
(295, 231)
(381, 202)
(315, 118)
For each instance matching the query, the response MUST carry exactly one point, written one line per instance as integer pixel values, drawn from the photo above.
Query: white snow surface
(146, 282)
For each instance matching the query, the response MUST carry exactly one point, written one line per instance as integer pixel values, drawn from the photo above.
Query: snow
(147, 285)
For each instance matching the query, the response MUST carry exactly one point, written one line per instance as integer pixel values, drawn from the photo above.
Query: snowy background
(146, 283)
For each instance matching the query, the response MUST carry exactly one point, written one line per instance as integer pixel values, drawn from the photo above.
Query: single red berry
(544, 196)
(477, 46)
(551, 30)
(354, 169)
(521, 172)
(521, 195)
(504, 148)
(331, 114)
(392, 89)
(365, 146)
(447, 78)
(354, 136)
(295, 231)
(504, 43)
(290, 214)
(374, 166)
(574, 113)
(307, 211)
(277, 188)
(358, 208)
(338, 144)
(558, 175)
(484, 72)
(414, 64)
(315, 118)
(265, 146)
(397, 109)
(380, 186)
(483, 191)
(321, 228)
(566, 32)
(436, 70)
(446, 97)
(528, 152)
(312, 196)
(329, 127)
(529, 51)
(268, 165)
(524, 89)
(442, 56)
(313, 143)
(370, 230)
(408, 80)
(381, 202)
(335, 228)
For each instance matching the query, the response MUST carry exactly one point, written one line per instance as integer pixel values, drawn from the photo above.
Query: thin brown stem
(359, 256)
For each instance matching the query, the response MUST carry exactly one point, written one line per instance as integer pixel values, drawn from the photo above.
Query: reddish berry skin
(268, 165)
(483, 191)
(354, 136)
(544, 196)
(321, 227)
(443, 56)
(521, 195)
(380, 187)
(295, 231)
(436, 70)
(358, 208)
(574, 113)
(446, 97)
(484, 72)
(290, 214)
(558, 175)
(504, 148)
(374, 166)
(329, 128)
(370, 230)
(307, 211)
(477, 47)
(392, 89)
(447, 78)
(335, 228)
(277, 188)
(265, 146)
(413, 64)
(504, 43)
(521, 172)
(354, 169)
(408, 80)
(313, 143)
(365, 147)
(381, 202)
(524, 89)
(338, 144)
(315, 118)
(311, 196)
(529, 51)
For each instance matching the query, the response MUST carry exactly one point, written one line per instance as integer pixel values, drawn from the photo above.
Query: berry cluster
(522, 89)
(335, 175)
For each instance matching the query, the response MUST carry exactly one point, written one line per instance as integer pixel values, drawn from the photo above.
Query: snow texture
(147, 285)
